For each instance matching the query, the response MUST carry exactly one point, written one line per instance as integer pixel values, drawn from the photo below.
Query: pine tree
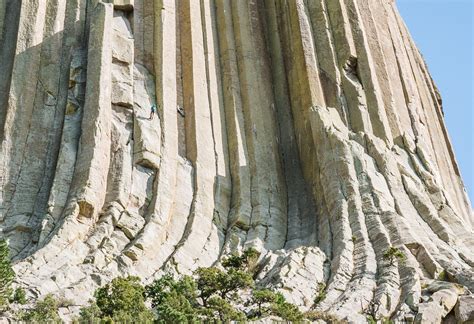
(121, 301)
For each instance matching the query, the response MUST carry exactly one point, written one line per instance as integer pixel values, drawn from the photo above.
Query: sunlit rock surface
(310, 130)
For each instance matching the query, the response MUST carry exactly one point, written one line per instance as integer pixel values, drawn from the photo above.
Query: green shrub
(233, 261)
(392, 254)
(122, 300)
(212, 295)
(287, 311)
(19, 296)
(371, 319)
(208, 297)
(235, 280)
(174, 301)
(321, 293)
(6, 274)
(211, 281)
(263, 299)
(45, 311)
(313, 316)
(219, 309)
(246, 261)
(90, 314)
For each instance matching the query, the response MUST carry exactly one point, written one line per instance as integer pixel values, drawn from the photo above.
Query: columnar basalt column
(309, 130)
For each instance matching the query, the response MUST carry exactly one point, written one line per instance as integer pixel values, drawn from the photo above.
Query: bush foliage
(45, 311)
(392, 254)
(210, 295)
(215, 294)
(122, 300)
(6, 274)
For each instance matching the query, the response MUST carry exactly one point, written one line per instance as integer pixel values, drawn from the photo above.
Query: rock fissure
(309, 130)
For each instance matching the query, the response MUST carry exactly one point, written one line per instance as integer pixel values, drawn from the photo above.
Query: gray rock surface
(310, 130)
(465, 309)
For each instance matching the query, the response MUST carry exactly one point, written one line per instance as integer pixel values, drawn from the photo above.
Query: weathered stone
(130, 224)
(465, 309)
(125, 5)
(290, 271)
(437, 306)
(439, 299)
(309, 130)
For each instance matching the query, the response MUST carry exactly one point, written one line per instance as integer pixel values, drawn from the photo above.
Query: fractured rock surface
(310, 130)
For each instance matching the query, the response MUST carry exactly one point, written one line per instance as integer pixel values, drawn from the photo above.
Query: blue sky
(443, 30)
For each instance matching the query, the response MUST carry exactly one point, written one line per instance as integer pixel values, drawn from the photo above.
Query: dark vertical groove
(301, 210)
(179, 86)
(7, 55)
(72, 40)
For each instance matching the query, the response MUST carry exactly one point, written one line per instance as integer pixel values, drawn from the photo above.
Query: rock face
(310, 130)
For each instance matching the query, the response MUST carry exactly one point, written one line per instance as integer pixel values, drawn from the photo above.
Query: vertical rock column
(359, 119)
(240, 209)
(90, 178)
(366, 70)
(41, 115)
(268, 223)
(164, 187)
(19, 95)
(89, 182)
(3, 6)
(377, 42)
(298, 52)
(120, 174)
(66, 247)
(71, 133)
(302, 218)
(200, 241)
(446, 161)
(212, 52)
(65, 70)
(122, 219)
(9, 22)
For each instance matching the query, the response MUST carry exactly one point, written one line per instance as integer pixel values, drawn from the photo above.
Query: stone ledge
(123, 5)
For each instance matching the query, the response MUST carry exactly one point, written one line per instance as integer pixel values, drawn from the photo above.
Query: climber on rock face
(152, 112)
(180, 111)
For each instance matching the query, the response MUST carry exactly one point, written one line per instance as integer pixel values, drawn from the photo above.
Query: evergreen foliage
(45, 311)
(220, 309)
(90, 314)
(6, 274)
(392, 254)
(314, 316)
(287, 311)
(321, 293)
(122, 300)
(174, 301)
(262, 299)
(19, 296)
(217, 295)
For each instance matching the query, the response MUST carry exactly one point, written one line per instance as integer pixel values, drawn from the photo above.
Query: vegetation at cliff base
(6, 275)
(121, 301)
(8, 295)
(45, 311)
(211, 295)
(19, 296)
(214, 294)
